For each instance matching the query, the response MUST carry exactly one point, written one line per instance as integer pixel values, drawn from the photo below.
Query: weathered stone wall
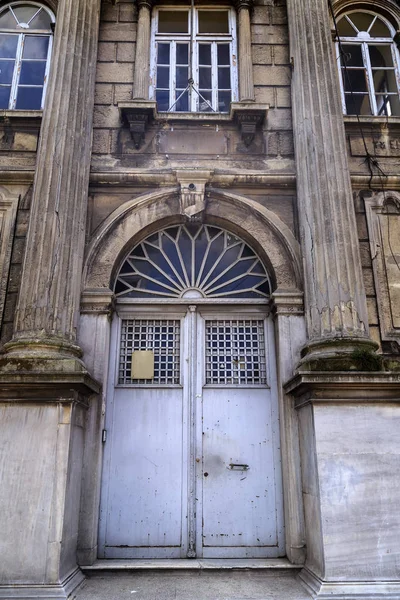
(14, 276)
(192, 144)
(373, 148)
(272, 74)
(366, 262)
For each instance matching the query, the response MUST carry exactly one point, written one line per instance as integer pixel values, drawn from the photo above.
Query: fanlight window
(25, 48)
(193, 261)
(368, 60)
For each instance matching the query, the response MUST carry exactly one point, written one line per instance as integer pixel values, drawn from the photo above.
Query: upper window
(369, 65)
(193, 64)
(25, 48)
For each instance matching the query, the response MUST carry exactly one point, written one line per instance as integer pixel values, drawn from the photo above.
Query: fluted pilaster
(334, 289)
(48, 305)
(142, 60)
(246, 82)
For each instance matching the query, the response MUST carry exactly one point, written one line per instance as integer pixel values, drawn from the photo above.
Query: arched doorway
(192, 459)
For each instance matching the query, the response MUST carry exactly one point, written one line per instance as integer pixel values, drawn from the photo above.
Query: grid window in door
(235, 353)
(161, 337)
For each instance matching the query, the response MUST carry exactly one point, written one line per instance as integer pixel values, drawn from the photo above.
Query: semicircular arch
(143, 215)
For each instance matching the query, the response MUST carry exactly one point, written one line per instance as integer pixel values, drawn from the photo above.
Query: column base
(45, 361)
(349, 590)
(61, 591)
(341, 354)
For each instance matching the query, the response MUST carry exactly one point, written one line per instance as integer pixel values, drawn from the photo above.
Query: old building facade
(199, 288)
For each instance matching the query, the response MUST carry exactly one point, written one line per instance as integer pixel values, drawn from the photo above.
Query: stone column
(48, 306)
(246, 83)
(334, 290)
(142, 60)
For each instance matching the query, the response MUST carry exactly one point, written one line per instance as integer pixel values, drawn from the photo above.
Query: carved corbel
(192, 193)
(137, 125)
(248, 119)
(138, 115)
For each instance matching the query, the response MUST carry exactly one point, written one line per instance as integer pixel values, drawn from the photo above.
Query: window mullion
(153, 57)
(194, 58)
(47, 71)
(214, 75)
(195, 73)
(172, 75)
(371, 87)
(17, 71)
(339, 62)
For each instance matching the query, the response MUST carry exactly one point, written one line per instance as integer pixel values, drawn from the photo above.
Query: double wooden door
(191, 458)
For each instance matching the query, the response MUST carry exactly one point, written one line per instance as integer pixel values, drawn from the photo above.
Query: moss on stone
(367, 360)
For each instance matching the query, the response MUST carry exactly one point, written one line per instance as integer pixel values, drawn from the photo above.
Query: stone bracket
(249, 116)
(138, 115)
(192, 195)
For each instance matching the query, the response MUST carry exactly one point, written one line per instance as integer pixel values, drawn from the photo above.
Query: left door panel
(141, 507)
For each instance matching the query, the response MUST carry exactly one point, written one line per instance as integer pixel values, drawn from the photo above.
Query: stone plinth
(42, 442)
(350, 451)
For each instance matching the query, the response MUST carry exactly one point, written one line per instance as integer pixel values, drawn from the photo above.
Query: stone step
(104, 566)
(228, 583)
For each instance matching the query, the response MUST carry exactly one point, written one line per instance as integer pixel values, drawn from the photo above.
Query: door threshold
(188, 564)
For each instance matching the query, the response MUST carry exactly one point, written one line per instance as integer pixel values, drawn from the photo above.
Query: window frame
(213, 39)
(22, 35)
(363, 42)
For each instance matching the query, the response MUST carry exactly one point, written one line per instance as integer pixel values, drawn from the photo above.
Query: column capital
(145, 4)
(244, 4)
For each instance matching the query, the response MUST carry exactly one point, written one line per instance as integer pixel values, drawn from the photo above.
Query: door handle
(238, 467)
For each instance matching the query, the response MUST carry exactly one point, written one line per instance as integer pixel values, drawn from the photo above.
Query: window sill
(21, 119)
(139, 114)
(370, 119)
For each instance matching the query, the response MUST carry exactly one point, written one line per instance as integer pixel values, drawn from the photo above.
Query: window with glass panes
(194, 59)
(25, 48)
(369, 65)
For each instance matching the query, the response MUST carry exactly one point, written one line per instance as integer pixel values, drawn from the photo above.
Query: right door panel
(241, 498)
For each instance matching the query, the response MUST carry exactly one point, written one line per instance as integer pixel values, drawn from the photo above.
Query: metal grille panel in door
(235, 353)
(161, 337)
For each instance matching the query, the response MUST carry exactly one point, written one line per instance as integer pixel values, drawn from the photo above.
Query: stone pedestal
(335, 303)
(41, 444)
(350, 460)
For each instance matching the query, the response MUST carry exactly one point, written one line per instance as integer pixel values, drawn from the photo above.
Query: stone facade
(316, 193)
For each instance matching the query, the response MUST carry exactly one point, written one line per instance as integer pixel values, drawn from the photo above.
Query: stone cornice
(344, 386)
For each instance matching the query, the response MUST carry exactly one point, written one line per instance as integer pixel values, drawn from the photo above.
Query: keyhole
(205, 474)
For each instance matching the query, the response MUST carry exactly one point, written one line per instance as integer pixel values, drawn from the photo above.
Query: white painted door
(192, 462)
